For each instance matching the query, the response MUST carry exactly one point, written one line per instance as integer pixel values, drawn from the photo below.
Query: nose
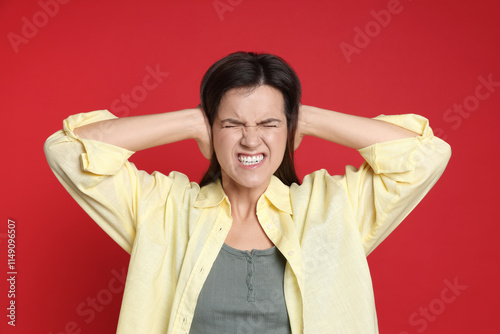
(250, 137)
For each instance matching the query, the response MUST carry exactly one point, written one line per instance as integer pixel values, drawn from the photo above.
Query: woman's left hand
(299, 132)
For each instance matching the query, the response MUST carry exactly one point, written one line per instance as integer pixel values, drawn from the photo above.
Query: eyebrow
(235, 121)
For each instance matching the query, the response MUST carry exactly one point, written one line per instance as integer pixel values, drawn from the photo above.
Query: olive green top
(243, 294)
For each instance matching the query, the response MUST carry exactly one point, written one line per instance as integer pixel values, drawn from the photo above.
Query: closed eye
(231, 123)
(270, 123)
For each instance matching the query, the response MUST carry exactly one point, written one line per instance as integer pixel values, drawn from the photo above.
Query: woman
(250, 249)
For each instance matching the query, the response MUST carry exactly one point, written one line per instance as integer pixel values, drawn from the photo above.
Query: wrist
(196, 124)
(305, 121)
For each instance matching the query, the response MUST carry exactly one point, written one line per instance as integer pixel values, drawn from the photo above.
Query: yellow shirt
(174, 230)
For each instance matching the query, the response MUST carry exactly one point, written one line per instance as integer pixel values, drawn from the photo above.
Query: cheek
(278, 139)
(224, 141)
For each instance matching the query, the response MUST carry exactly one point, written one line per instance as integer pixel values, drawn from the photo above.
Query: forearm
(137, 133)
(348, 130)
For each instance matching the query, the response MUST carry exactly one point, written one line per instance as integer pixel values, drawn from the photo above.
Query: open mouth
(250, 160)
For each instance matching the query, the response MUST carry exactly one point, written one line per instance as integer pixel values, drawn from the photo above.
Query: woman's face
(249, 136)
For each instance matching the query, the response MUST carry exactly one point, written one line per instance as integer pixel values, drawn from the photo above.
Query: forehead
(250, 104)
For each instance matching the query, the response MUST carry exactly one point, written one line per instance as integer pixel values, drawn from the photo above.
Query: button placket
(250, 277)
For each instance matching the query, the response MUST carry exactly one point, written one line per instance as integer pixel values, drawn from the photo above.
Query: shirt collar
(277, 193)
(210, 195)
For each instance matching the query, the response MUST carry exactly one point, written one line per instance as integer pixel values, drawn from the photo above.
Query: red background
(86, 54)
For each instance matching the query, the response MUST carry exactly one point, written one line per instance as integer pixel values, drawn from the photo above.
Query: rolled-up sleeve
(98, 176)
(395, 177)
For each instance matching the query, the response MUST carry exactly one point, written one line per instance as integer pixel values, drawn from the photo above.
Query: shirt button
(270, 226)
(291, 253)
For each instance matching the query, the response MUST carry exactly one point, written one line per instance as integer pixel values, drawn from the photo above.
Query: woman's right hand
(137, 133)
(204, 135)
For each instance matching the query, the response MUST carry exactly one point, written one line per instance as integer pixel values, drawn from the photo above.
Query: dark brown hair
(250, 70)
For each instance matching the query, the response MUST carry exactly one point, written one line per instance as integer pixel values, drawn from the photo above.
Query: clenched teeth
(250, 160)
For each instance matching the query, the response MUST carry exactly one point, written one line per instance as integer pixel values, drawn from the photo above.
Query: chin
(250, 182)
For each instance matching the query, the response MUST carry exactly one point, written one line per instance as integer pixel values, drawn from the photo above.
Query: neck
(243, 200)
